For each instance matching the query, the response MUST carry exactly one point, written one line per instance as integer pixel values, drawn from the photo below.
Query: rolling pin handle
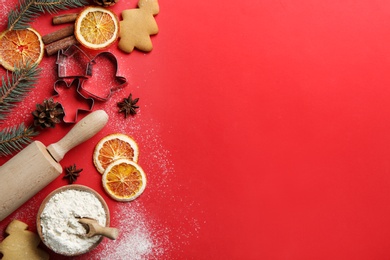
(82, 131)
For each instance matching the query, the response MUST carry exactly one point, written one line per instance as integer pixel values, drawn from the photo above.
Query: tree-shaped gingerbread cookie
(137, 26)
(21, 244)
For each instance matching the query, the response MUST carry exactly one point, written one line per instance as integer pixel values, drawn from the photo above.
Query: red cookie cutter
(73, 62)
(82, 80)
(102, 71)
(71, 100)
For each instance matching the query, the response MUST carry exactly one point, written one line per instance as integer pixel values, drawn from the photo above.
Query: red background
(263, 130)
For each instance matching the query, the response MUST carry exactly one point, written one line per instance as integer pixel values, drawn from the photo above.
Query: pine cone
(48, 114)
(105, 2)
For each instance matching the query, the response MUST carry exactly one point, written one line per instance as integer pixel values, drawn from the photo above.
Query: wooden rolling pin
(36, 166)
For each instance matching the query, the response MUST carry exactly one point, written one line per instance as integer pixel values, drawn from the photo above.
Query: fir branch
(15, 87)
(21, 16)
(13, 139)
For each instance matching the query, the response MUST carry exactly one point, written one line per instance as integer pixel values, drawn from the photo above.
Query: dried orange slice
(114, 147)
(96, 28)
(124, 180)
(19, 47)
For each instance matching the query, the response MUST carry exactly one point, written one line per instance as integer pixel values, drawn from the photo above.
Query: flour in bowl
(59, 221)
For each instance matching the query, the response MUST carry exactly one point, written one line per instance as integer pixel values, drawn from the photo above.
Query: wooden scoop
(94, 228)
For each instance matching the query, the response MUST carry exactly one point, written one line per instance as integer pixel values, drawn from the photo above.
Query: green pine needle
(13, 139)
(21, 16)
(15, 87)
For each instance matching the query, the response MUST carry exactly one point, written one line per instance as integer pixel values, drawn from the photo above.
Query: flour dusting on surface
(139, 237)
(5, 9)
(143, 234)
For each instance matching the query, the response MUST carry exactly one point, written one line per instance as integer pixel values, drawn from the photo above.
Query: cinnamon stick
(58, 35)
(54, 47)
(65, 18)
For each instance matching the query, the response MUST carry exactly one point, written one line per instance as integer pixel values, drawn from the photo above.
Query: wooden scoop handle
(109, 232)
(82, 131)
(94, 228)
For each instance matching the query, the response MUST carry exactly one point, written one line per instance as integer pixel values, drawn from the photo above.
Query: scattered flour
(5, 9)
(139, 238)
(142, 234)
(60, 227)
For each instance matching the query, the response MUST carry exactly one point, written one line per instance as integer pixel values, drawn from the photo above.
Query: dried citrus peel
(20, 47)
(114, 147)
(124, 180)
(96, 28)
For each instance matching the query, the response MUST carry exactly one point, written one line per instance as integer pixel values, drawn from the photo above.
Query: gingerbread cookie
(137, 26)
(21, 244)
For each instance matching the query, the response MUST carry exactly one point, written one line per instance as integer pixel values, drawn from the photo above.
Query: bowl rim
(64, 188)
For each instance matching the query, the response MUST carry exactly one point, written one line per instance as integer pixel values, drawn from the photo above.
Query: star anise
(128, 106)
(71, 173)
